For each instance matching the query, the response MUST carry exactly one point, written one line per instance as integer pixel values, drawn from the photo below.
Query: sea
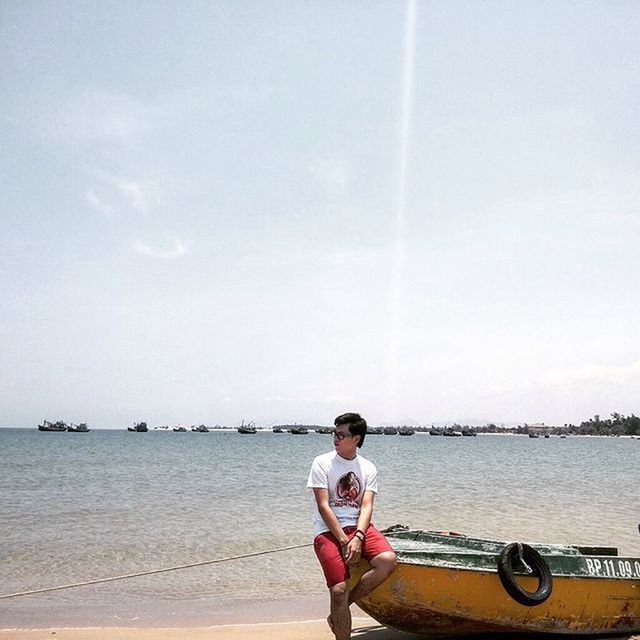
(76, 507)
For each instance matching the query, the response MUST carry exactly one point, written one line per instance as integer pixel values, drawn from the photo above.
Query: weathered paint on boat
(448, 585)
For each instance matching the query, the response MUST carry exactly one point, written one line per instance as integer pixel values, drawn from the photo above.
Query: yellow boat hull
(445, 601)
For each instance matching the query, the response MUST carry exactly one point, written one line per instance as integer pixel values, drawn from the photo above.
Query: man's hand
(352, 551)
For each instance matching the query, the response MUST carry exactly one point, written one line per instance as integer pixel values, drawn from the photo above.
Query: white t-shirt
(346, 481)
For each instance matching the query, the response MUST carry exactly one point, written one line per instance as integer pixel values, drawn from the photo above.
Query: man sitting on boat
(344, 485)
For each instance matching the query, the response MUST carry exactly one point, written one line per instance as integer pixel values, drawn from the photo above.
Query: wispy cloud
(176, 250)
(111, 194)
(136, 194)
(98, 205)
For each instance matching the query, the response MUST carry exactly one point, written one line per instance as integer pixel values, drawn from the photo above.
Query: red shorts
(329, 554)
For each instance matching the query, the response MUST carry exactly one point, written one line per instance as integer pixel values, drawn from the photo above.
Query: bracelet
(360, 537)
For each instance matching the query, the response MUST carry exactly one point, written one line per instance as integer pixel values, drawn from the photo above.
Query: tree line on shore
(617, 425)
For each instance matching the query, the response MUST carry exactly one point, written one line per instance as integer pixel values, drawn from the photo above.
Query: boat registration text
(613, 568)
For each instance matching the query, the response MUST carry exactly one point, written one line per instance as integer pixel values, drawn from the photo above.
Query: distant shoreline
(311, 431)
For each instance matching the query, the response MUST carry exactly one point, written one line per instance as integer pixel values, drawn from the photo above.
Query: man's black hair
(356, 423)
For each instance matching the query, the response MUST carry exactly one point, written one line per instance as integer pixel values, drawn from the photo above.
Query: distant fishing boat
(140, 427)
(299, 431)
(406, 431)
(326, 430)
(249, 428)
(78, 428)
(450, 585)
(52, 426)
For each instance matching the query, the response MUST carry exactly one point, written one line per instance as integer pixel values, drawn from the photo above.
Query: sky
(282, 211)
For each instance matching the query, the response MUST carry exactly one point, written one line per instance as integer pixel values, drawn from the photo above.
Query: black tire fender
(539, 569)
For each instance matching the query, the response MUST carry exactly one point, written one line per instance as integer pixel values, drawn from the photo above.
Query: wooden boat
(450, 585)
(140, 427)
(52, 426)
(299, 431)
(78, 428)
(247, 428)
(406, 431)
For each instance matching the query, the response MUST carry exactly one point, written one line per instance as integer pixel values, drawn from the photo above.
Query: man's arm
(354, 548)
(322, 500)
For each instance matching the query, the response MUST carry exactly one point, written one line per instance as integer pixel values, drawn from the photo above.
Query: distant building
(537, 427)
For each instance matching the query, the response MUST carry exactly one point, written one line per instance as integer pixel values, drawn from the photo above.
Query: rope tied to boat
(153, 571)
(527, 568)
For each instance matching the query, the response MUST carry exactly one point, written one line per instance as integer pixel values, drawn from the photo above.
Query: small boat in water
(450, 585)
(78, 428)
(52, 426)
(299, 431)
(247, 428)
(140, 427)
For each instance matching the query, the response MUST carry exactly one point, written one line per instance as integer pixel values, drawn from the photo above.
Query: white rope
(148, 573)
(527, 568)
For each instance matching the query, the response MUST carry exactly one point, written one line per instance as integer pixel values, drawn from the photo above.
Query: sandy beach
(364, 628)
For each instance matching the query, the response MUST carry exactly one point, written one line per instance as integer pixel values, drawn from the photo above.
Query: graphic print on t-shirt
(347, 490)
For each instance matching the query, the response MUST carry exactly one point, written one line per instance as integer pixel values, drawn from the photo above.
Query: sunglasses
(340, 436)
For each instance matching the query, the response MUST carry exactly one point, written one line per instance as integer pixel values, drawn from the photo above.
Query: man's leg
(340, 619)
(382, 566)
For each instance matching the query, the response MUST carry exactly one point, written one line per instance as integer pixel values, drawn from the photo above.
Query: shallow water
(77, 507)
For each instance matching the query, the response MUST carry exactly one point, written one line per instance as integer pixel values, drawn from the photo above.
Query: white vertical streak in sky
(396, 292)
